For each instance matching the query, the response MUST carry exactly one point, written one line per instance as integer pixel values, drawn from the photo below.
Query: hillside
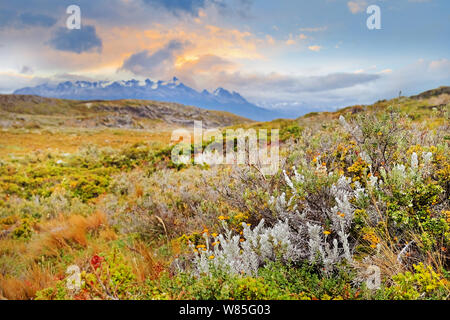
(432, 104)
(433, 93)
(21, 110)
(419, 107)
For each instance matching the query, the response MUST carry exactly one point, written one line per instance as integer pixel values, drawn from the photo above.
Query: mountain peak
(171, 91)
(221, 92)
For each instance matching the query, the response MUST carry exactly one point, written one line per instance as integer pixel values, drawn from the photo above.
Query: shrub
(24, 230)
(244, 255)
(111, 277)
(424, 283)
(58, 292)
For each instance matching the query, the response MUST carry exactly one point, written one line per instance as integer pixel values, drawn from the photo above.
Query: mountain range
(172, 91)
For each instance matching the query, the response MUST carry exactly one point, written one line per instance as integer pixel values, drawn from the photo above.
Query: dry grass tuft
(145, 264)
(12, 288)
(61, 233)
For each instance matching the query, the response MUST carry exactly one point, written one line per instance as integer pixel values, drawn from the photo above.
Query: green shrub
(424, 283)
(58, 292)
(24, 230)
(111, 277)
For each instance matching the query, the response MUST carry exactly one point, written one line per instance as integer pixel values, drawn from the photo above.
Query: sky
(294, 55)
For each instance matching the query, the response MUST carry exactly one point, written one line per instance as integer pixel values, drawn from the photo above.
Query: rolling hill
(21, 110)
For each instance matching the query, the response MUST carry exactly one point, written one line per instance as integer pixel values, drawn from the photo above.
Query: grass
(20, 142)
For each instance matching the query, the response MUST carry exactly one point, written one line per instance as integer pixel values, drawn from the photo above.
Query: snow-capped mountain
(172, 91)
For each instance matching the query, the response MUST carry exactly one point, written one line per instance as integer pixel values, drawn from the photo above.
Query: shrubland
(365, 188)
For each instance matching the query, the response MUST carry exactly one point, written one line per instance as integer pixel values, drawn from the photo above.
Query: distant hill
(416, 106)
(22, 109)
(173, 91)
(432, 104)
(432, 93)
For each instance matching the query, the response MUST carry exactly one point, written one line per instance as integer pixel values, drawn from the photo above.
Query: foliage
(424, 284)
(364, 186)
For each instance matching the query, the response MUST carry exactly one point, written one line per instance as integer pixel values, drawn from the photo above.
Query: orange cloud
(228, 45)
(315, 48)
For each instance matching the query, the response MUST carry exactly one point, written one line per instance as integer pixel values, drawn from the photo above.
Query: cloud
(10, 81)
(36, 20)
(163, 53)
(357, 6)
(299, 94)
(315, 29)
(77, 40)
(13, 19)
(315, 48)
(270, 40)
(26, 70)
(240, 8)
(440, 65)
(279, 83)
(291, 40)
(201, 72)
(194, 8)
(145, 63)
(411, 79)
(176, 6)
(206, 63)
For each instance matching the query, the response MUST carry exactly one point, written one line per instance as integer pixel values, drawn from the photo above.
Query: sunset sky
(286, 54)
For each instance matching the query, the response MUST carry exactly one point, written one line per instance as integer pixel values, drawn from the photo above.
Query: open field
(22, 142)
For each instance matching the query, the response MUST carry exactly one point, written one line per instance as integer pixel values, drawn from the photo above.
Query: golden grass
(37, 278)
(60, 233)
(22, 142)
(144, 263)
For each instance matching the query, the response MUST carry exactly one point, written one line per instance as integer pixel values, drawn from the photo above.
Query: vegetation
(361, 192)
